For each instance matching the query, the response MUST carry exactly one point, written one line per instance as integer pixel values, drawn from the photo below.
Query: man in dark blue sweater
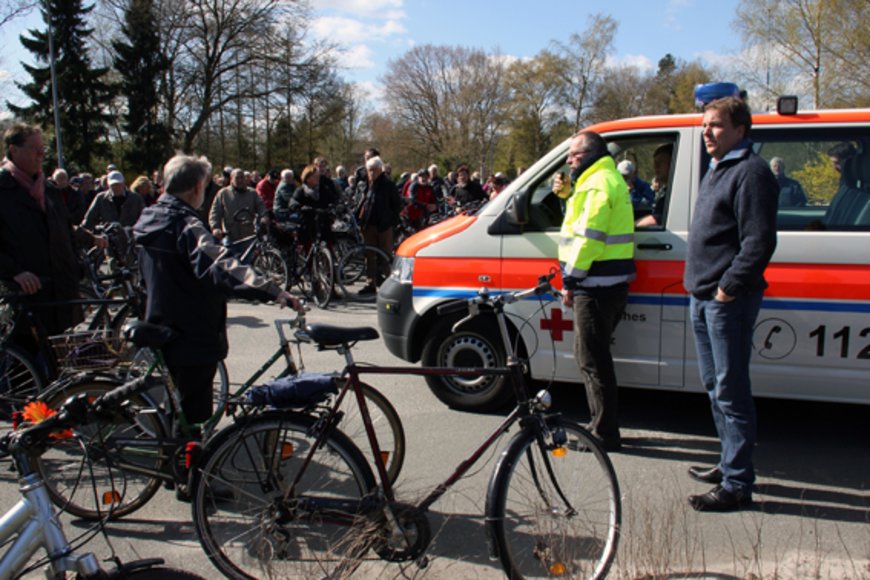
(731, 241)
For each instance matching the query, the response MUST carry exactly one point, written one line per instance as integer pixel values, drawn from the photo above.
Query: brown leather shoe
(706, 475)
(720, 499)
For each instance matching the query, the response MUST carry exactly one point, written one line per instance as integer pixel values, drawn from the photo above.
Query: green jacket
(596, 245)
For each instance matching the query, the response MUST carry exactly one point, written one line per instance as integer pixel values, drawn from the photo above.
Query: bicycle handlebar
(472, 305)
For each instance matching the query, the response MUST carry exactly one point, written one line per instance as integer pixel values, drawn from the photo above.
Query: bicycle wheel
(20, 379)
(155, 573)
(100, 471)
(252, 525)
(353, 268)
(553, 509)
(318, 280)
(270, 262)
(387, 424)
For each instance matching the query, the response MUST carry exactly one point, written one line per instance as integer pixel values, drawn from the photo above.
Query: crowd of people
(424, 195)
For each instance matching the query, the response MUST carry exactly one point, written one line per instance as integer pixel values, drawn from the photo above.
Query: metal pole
(54, 88)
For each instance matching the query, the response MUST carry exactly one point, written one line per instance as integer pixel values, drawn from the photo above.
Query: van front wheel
(474, 344)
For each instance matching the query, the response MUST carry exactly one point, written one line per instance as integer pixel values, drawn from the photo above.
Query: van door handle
(663, 247)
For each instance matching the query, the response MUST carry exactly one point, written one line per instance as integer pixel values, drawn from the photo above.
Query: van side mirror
(517, 210)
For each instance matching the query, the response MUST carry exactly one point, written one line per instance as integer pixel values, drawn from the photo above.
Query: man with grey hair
(72, 198)
(284, 194)
(378, 215)
(791, 193)
(188, 275)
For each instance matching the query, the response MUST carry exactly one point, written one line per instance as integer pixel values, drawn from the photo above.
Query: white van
(812, 339)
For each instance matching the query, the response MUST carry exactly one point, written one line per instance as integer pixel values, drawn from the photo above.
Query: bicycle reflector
(557, 569)
(559, 452)
(111, 497)
(287, 450)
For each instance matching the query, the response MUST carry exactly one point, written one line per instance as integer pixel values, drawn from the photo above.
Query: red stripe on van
(790, 281)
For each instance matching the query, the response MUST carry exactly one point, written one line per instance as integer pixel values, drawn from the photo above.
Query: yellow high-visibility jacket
(596, 245)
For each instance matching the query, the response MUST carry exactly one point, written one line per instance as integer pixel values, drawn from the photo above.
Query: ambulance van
(812, 338)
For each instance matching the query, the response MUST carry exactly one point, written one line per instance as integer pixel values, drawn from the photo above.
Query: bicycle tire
(351, 270)
(82, 473)
(387, 424)
(245, 522)
(20, 379)
(270, 262)
(319, 276)
(526, 519)
(153, 573)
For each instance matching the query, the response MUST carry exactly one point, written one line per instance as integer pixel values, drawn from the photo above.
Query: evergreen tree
(141, 65)
(83, 94)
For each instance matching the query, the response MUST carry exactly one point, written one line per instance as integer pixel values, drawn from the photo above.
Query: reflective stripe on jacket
(596, 244)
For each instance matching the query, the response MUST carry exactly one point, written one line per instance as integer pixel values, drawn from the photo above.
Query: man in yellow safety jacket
(596, 253)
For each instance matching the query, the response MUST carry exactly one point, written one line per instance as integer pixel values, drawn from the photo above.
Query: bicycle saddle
(145, 334)
(327, 335)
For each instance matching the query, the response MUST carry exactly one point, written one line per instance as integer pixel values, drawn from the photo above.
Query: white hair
(375, 162)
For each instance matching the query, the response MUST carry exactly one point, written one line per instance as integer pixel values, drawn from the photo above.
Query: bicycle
(353, 256)
(94, 347)
(258, 250)
(152, 443)
(35, 522)
(291, 496)
(310, 261)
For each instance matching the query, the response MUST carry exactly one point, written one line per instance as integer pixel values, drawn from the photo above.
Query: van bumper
(397, 318)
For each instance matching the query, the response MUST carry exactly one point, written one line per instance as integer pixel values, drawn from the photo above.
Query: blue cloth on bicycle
(294, 392)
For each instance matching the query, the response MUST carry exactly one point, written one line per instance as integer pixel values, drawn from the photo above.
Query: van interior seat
(850, 206)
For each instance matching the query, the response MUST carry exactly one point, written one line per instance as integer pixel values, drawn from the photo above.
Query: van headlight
(403, 270)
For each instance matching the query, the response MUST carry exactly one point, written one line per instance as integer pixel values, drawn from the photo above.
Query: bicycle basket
(88, 351)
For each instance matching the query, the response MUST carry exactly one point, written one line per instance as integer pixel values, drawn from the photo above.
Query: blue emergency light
(709, 92)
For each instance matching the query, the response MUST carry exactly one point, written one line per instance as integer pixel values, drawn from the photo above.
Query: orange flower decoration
(38, 411)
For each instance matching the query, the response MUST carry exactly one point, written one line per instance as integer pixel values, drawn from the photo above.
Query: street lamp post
(51, 60)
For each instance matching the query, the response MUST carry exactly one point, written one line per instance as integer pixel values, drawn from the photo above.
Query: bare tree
(585, 55)
(12, 9)
(452, 97)
(825, 42)
(535, 86)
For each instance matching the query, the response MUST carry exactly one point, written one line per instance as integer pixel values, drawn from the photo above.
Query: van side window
(823, 175)
(646, 163)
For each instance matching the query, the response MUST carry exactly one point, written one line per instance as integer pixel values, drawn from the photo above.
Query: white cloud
(358, 56)
(380, 9)
(640, 62)
(349, 31)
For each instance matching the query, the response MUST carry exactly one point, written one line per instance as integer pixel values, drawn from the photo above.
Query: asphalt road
(813, 493)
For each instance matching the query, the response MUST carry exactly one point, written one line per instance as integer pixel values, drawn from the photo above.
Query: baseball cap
(625, 167)
(115, 177)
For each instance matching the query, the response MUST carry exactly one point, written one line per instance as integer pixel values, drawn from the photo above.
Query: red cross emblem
(556, 324)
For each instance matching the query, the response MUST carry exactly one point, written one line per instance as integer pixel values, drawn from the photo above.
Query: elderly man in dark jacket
(36, 234)
(189, 275)
(378, 215)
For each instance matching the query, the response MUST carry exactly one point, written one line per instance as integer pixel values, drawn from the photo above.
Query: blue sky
(374, 31)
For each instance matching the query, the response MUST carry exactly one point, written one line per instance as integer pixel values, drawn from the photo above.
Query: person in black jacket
(188, 276)
(379, 214)
(37, 235)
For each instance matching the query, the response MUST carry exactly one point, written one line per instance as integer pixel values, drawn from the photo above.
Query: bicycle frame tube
(37, 525)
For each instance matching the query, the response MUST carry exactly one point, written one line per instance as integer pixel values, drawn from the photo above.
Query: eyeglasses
(37, 150)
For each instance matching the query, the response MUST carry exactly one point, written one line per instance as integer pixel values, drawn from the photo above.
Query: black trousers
(596, 315)
(195, 384)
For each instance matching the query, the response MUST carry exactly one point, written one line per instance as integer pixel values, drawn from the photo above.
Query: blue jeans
(723, 337)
